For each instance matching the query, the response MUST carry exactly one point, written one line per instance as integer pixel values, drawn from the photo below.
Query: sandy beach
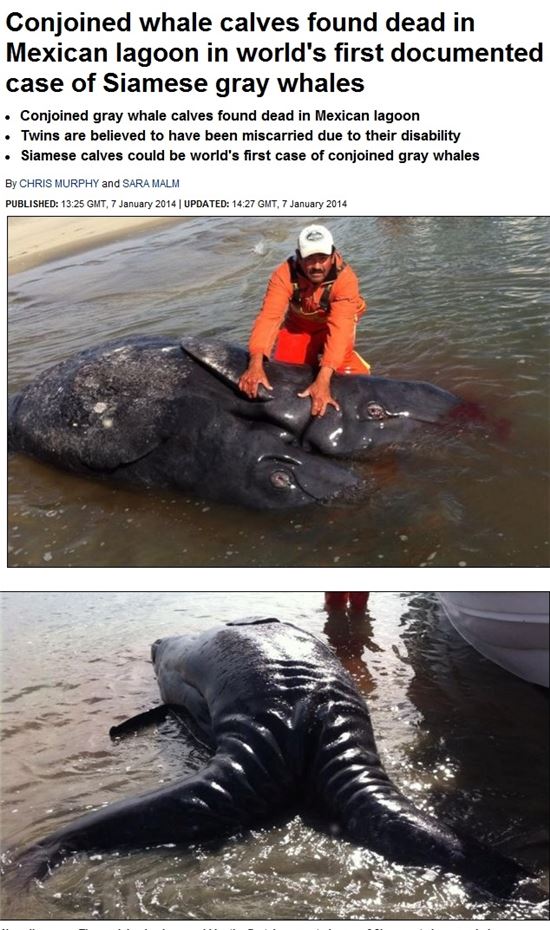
(37, 239)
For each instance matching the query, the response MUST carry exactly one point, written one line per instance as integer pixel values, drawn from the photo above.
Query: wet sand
(34, 240)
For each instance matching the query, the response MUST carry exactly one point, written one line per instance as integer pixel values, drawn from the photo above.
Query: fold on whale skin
(288, 727)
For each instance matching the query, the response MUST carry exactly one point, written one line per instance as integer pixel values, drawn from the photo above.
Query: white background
(500, 108)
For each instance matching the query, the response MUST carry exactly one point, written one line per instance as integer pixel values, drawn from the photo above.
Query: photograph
(278, 391)
(277, 304)
(274, 755)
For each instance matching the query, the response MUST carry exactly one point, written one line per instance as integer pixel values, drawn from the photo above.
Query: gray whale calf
(288, 728)
(158, 412)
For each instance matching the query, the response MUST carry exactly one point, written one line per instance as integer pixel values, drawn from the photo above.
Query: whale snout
(155, 648)
(299, 478)
(328, 483)
(379, 412)
(416, 401)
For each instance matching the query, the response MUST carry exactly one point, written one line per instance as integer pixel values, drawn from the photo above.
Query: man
(340, 600)
(309, 314)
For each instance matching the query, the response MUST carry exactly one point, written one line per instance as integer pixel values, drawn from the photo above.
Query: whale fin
(234, 791)
(137, 722)
(252, 621)
(350, 782)
(158, 715)
(225, 360)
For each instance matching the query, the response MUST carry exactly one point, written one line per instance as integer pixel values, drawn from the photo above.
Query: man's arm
(265, 329)
(274, 307)
(346, 306)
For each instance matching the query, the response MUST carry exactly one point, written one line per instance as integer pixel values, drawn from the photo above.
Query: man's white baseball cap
(315, 239)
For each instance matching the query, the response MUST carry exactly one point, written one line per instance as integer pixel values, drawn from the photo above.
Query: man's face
(316, 267)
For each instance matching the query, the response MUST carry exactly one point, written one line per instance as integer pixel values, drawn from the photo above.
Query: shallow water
(461, 737)
(461, 302)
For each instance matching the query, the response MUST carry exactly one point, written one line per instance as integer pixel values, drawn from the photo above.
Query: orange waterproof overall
(308, 323)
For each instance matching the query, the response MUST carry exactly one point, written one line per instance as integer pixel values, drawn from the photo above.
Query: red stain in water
(471, 413)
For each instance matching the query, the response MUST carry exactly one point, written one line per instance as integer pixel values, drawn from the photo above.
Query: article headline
(49, 40)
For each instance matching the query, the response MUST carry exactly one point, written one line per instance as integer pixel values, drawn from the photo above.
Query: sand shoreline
(34, 240)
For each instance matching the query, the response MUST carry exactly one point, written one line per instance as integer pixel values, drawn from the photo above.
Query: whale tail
(210, 804)
(30, 864)
(350, 781)
(407, 835)
(488, 869)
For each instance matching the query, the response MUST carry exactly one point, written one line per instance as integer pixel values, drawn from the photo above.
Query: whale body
(161, 412)
(288, 728)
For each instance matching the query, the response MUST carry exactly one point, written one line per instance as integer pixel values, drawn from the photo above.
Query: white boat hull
(510, 628)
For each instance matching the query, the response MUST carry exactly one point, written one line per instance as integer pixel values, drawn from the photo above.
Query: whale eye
(375, 411)
(281, 479)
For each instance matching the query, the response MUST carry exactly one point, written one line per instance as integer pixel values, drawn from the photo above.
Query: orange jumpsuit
(310, 323)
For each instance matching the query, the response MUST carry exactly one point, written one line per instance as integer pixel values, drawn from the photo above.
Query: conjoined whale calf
(160, 412)
(288, 728)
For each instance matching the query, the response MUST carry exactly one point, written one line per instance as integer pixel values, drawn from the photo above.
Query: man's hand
(254, 376)
(319, 391)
